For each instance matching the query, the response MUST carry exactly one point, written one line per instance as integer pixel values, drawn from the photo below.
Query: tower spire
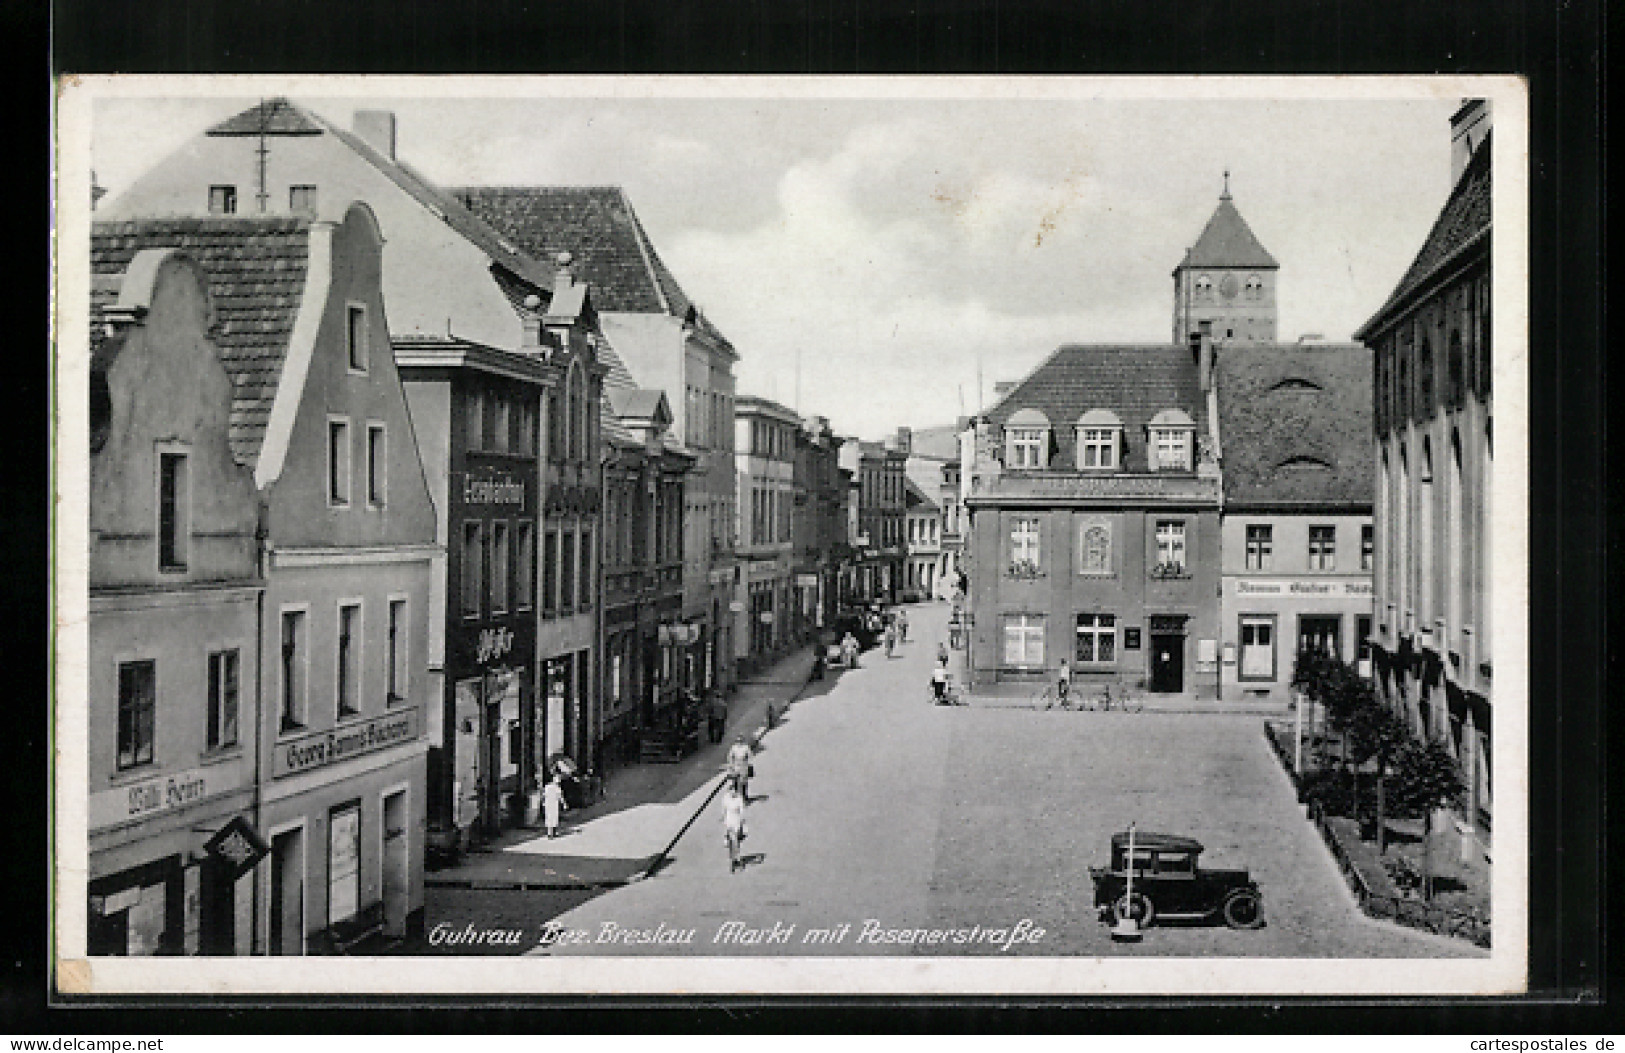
(1226, 195)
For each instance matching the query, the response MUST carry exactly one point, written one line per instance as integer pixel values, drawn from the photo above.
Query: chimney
(1468, 127)
(565, 276)
(905, 439)
(377, 129)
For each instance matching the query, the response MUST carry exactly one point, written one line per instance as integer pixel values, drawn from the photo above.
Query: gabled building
(1434, 410)
(818, 524)
(764, 453)
(1298, 461)
(320, 418)
(650, 664)
(1094, 508)
(933, 467)
(175, 592)
(669, 345)
(923, 530)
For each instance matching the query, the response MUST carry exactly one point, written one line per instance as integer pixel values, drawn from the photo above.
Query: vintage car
(1169, 884)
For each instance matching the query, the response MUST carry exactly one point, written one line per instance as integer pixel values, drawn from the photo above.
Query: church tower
(1225, 286)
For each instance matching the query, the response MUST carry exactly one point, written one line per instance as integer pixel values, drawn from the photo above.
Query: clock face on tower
(1227, 287)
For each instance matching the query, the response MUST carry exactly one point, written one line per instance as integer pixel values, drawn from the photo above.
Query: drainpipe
(262, 544)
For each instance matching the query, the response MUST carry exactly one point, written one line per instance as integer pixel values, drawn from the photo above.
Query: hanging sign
(238, 845)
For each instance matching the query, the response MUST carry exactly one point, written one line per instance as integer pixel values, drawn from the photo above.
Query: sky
(871, 257)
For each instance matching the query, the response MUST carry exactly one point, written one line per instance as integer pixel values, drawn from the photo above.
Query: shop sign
(493, 644)
(310, 752)
(1303, 587)
(238, 846)
(493, 488)
(161, 793)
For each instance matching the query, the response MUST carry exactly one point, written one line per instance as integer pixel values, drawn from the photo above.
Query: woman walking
(740, 768)
(552, 805)
(733, 822)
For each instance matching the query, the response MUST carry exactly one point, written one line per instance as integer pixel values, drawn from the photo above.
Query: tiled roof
(1133, 381)
(275, 116)
(1466, 216)
(618, 383)
(608, 246)
(1283, 403)
(256, 271)
(1227, 241)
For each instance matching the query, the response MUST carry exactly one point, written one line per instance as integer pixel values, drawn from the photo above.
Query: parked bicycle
(1124, 703)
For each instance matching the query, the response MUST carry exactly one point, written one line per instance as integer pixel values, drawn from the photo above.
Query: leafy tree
(1426, 778)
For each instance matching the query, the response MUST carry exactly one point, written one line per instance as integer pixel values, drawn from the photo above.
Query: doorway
(396, 856)
(287, 928)
(1167, 663)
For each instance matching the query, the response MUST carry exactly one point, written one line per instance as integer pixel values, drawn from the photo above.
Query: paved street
(873, 804)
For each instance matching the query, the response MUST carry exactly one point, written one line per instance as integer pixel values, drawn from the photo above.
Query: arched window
(1404, 566)
(1456, 543)
(572, 414)
(581, 427)
(1424, 530)
(1171, 435)
(1095, 549)
(555, 425)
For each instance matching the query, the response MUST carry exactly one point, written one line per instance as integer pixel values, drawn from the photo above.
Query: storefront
(1268, 621)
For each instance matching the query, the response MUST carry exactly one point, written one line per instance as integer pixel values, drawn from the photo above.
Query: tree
(1426, 778)
(1377, 735)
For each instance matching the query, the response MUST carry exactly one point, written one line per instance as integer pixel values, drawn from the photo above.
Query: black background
(1573, 512)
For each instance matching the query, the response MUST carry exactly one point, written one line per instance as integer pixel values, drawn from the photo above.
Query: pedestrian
(552, 805)
(740, 767)
(1063, 681)
(719, 717)
(849, 650)
(891, 638)
(733, 822)
(939, 682)
(942, 653)
(902, 626)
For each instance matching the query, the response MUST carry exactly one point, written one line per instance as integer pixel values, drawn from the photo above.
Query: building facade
(923, 538)
(1094, 523)
(765, 454)
(1298, 463)
(669, 345)
(817, 525)
(1434, 409)
(175, 593)
(877, 473)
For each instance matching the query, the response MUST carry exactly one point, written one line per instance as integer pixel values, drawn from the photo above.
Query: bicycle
(1123, 703)
(1053, 698)
(950, 695)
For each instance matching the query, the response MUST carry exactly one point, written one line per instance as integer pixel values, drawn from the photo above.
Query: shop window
(221, 731)
(1322, 548)
(355, 336)
(398, 667)
(499, 567)
(1170, 548)
(338, 462)
(137, 712)
(302, 198)
(1024, 640)
(525, 565)
(1260, 546)
(1097, 639)
(222, 200)
(473, 566)
(343, 862)
(1368, 547)
(1257, 647)
(377, 465)
(349, 660)
(174, 504)
(501, 424)
(1321, 634)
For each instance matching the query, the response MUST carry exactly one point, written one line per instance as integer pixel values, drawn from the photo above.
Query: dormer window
(1026, 437)
(1171, 435)
(1099, 440)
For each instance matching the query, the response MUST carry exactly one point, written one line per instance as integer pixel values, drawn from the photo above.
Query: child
(733, 822)
(552, 805)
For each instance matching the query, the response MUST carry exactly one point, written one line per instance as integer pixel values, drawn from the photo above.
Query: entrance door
(1167, 663)
(288, 892)
(396, 863)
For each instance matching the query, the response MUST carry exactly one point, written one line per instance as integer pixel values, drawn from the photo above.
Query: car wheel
(1136, 905)
(1244, 909)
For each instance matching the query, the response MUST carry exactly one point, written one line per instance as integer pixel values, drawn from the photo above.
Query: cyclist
(740, 768)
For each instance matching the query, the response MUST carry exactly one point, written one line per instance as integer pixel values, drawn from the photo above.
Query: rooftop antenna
(262, 197)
